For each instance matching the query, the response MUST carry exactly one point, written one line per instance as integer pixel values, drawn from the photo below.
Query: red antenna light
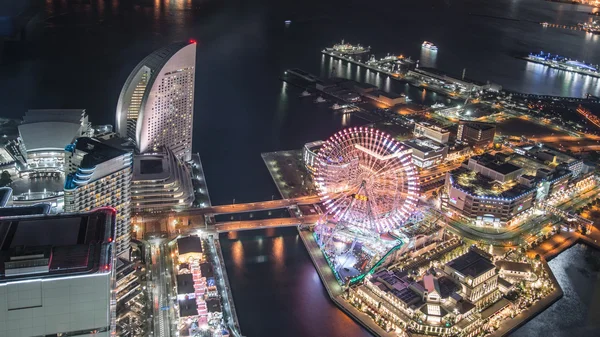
(193, 41)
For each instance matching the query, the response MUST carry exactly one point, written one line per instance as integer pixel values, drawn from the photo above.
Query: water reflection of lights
(237, 253)
(428, 58)
(278, 249)
(345, 119)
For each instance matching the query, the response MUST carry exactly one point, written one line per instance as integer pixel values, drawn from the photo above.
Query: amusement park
(405, 263)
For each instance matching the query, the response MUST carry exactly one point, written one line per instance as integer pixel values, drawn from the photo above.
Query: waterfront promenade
(548, 250)
(564, 240)
(334, 289)
(508, 326)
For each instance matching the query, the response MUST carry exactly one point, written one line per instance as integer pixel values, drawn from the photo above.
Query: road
(241, 208)
(265, 223)
(160, 282)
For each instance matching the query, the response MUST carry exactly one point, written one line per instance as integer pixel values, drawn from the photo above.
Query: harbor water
(276, 289)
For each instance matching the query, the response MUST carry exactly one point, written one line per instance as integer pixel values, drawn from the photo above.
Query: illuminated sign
(361, 197)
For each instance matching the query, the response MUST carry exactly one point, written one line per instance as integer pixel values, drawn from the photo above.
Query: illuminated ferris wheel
(367, 179)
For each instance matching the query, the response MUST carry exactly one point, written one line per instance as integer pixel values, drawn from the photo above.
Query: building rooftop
(390, 95)
(471, 264)
(495, 163)
(206, 270)
(185, 284)
(423, 144)
(464, 306)
(188, 307)
(60, 245)
(479, 185)
(514, 266)
(447, 286)
(442, 312)
(97, 151)
(189, 244)
(213, 305)
(407, 295)
(433, 126)
(478, 125)
(51, 129)
(156, 166)
(13, 211)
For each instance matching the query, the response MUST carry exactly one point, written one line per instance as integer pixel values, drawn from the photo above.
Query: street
(161, 278)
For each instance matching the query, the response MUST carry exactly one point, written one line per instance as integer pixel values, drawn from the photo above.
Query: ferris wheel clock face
(367, 179)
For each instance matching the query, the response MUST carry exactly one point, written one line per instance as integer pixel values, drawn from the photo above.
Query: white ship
(429, 45)
(305, 94)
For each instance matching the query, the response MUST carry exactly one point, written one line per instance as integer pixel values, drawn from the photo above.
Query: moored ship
(429, 45)
(564, 63)
(348, 49)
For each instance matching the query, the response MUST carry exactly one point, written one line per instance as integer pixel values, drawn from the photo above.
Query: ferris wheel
(367, 180)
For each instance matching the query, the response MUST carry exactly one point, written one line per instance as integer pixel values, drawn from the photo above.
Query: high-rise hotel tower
(98, 175)
(156, 105)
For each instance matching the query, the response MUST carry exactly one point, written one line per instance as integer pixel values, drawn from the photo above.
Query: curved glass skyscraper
(156, 105)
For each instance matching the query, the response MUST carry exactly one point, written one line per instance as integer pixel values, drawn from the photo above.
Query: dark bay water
(276, 289)
(576, 314)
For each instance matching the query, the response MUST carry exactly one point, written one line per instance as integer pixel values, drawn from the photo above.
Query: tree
(5, 178)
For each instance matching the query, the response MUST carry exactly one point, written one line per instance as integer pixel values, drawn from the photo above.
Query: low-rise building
(485, 201)
(476, 274)
(514, 270)
(387, 98)
(189, 248)
(476, 134)
(433, 132)
(426, 152)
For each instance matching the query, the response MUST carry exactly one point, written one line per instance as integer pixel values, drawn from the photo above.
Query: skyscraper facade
(97, 175)
(156, 104)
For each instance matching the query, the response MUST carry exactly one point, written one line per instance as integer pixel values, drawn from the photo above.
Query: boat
(348, 49)
(305, 94)
(320, 100)
(350, 109)
(429, 45)
(564, 63)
